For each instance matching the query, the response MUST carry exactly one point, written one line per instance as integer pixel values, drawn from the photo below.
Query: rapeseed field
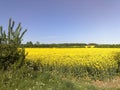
(96, 58)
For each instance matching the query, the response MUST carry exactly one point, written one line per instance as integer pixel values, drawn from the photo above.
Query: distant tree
(37, 43)
(29, 44)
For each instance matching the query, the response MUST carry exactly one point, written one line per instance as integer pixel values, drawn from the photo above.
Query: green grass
(33, 77)
(26, 79)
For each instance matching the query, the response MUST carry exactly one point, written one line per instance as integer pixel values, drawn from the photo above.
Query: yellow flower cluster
(99, 58)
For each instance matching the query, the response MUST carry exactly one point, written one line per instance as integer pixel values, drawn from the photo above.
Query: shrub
(10, 52)
(117, 58)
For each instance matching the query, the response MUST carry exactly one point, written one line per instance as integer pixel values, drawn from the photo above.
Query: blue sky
(65, 21)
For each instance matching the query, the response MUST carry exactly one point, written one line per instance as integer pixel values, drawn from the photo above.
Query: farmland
(81, 61)
(65, 69)
(99, 58)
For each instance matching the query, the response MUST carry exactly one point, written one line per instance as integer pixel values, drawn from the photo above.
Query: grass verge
(26, 78)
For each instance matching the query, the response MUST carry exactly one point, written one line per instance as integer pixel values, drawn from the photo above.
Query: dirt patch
(114, 83)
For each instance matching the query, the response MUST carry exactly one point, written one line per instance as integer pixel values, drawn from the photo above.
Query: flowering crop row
(99, 58)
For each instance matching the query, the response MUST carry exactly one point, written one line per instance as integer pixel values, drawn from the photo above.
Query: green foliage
(117, 58)
(27, 79)
(10, 41)
(69, 45)
(29, 44)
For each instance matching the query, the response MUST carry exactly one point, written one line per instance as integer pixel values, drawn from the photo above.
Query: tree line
(30, 44)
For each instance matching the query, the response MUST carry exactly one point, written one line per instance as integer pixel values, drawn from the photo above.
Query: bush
(10, 53)
(117, 58)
